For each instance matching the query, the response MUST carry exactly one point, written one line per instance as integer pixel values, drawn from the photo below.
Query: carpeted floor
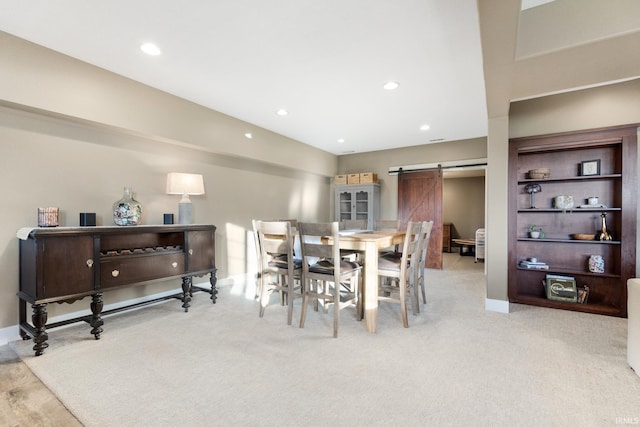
(457, 364)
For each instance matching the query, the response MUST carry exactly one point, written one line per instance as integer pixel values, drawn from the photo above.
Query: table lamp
(185, 184)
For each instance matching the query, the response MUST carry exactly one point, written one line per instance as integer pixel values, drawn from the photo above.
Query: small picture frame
(590, 167)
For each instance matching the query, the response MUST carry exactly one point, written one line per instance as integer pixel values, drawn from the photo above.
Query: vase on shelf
(604, 234)
(127, 211)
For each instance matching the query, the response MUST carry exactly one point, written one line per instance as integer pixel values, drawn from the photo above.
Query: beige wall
(72, 136)
(463, 205)
(380, 161)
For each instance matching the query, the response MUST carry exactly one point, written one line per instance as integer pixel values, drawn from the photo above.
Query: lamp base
(185, 213)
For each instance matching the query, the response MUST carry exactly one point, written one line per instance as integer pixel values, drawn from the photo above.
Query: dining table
(370, 243)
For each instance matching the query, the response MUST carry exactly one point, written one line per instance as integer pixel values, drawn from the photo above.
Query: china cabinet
(358, 202)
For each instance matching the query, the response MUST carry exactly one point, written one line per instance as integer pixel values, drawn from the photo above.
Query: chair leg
(306, 288)
(336, 308)
(415, 298)
(358, 293)
(264, 297)
(290, 289)
(403, 305)
(283, 296)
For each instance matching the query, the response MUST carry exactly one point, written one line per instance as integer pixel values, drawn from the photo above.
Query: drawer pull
(89, 263)
(115, 273)
(174, 264)
(190, 251)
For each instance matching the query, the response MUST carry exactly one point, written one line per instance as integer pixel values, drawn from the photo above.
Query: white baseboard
(12, 333)
(8, 334)
(496, 305)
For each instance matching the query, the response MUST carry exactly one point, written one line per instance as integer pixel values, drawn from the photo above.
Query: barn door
(420, 199)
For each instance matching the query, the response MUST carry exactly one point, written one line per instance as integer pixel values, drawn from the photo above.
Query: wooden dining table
(370, 243)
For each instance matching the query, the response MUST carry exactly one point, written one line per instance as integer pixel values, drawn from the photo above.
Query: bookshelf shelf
(615, 185)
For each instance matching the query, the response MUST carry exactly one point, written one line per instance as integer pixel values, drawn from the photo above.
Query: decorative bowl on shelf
(582, 236)
(540, 173)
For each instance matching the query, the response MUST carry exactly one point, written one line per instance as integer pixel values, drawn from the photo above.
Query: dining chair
(424, 247)
(280, 271)
(353, 224)
(387, 224)
(326, 277)
(398, 272)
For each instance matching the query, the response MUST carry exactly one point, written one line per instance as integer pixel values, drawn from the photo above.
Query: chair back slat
(275, 240)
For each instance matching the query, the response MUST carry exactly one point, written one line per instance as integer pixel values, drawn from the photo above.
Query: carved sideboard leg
(214, 291)
(96, 318)
(186, 289)
(39, 319)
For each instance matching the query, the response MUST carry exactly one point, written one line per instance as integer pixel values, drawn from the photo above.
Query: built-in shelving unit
(616, 186)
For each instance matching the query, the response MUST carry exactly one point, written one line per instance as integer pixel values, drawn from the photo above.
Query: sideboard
(66, 264)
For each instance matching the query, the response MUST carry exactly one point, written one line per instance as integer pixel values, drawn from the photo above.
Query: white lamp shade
(184, 183)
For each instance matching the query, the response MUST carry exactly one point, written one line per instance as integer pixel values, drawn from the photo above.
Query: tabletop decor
(127, 211)
(48, 217)
(532, 189)
(590, 167)
(185, 184)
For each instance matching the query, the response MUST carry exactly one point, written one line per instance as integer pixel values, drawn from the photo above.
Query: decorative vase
(596, 264)
(127, 211)
(603, 234)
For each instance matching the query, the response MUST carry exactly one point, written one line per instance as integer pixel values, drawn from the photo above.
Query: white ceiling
(324, 61)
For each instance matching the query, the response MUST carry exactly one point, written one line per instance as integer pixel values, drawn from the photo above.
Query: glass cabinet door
(362, 205)
(345, 205)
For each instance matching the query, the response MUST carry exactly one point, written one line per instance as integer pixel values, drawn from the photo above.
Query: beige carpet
(456, 364)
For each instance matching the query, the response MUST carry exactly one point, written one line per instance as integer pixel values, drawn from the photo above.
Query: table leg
(370, 288)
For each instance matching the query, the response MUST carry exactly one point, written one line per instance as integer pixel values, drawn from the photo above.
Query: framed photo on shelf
(590, 167)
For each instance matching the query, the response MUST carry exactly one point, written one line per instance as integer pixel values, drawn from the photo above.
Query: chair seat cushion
(325, 266)
(282, 262)
(389, 263)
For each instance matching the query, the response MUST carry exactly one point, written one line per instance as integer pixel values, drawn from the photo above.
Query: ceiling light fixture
(248, 135)
(391, 85)
(341, 140)
(282, 112)
(150, 49)
(425, 127)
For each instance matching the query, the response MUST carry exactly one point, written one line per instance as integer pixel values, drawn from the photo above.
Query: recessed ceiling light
(282, 112)
(425, 127)
(391, 85)
(341, 140)
(248, 135)
(150, 49)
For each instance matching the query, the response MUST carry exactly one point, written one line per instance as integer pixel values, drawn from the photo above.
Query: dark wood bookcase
(616, 186)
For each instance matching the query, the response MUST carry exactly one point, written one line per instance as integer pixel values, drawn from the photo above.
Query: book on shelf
(561, 288)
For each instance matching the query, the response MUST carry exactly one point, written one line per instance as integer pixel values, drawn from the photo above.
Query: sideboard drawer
(125, 270)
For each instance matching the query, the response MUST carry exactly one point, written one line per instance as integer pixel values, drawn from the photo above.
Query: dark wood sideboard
(67, 264)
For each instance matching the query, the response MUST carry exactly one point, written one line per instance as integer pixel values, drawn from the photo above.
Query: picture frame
(590, 167)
